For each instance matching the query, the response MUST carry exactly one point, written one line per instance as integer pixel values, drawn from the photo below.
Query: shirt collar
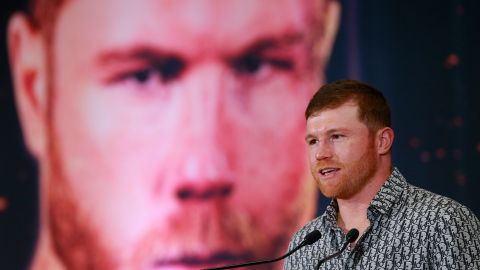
(389, 193)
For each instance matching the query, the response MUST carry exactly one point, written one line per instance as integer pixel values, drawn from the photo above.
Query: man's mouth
(329, 171)
(198, 261)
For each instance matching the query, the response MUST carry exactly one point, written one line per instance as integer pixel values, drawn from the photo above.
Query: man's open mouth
(328, 171)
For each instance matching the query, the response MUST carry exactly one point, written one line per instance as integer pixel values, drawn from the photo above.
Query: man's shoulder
(434, 207)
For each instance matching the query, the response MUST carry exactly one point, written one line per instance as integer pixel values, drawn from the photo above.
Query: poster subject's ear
(331, 20)
(27, 55)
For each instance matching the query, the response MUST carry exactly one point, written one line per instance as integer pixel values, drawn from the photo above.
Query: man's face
(341, 151)
(176, 129)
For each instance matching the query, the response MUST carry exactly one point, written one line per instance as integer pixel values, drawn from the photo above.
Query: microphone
(309, 239)
(351, 236)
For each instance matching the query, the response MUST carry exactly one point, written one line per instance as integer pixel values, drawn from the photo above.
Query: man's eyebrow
(308, 136)
(154, 54)
(138, 52)
(335, 130)
(273, 42)
(328, 132)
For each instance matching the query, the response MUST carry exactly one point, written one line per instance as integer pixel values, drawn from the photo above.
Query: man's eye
(248, 64)
(165, 71)
(252, 63)
(142, 76)
(312, 141)
(171, 68)
(336, 136)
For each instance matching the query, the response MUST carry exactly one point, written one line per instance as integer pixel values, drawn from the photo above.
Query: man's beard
(77, 241)
(354, 178)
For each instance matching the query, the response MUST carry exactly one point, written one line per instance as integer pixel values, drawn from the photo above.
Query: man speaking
(349, 139)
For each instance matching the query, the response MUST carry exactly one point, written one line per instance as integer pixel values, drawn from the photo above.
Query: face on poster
(169, 134)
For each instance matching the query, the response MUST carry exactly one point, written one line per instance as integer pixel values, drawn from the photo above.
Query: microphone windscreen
(352, 235)
(312, 237)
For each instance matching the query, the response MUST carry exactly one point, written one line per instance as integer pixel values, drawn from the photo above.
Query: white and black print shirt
(410, 228)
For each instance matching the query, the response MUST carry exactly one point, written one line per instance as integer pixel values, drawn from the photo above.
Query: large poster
(168, 134)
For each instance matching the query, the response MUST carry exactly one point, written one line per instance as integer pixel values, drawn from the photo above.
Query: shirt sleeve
(456, 241)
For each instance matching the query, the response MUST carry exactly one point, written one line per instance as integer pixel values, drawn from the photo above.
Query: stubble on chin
(209, 229)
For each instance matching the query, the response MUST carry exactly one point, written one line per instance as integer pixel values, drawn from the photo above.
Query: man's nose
(205, 177)
(206, 169)
(323, 151)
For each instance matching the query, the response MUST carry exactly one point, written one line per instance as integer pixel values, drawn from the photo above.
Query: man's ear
(27, 55)
(384, 140)
(331, 20)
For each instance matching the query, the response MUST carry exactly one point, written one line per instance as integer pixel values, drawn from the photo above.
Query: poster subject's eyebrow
(138, 52)
(266, 43)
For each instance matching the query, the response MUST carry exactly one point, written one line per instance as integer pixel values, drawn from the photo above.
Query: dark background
(424, 56)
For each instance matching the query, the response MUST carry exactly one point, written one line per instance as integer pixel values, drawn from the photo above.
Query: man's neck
(352, 215)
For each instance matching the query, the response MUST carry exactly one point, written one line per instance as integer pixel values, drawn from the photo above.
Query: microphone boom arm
(310, 238)
(351, 236)
(257, 262)
(331, 255)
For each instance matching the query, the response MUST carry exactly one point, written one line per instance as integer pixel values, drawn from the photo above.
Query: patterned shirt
(410, 228)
